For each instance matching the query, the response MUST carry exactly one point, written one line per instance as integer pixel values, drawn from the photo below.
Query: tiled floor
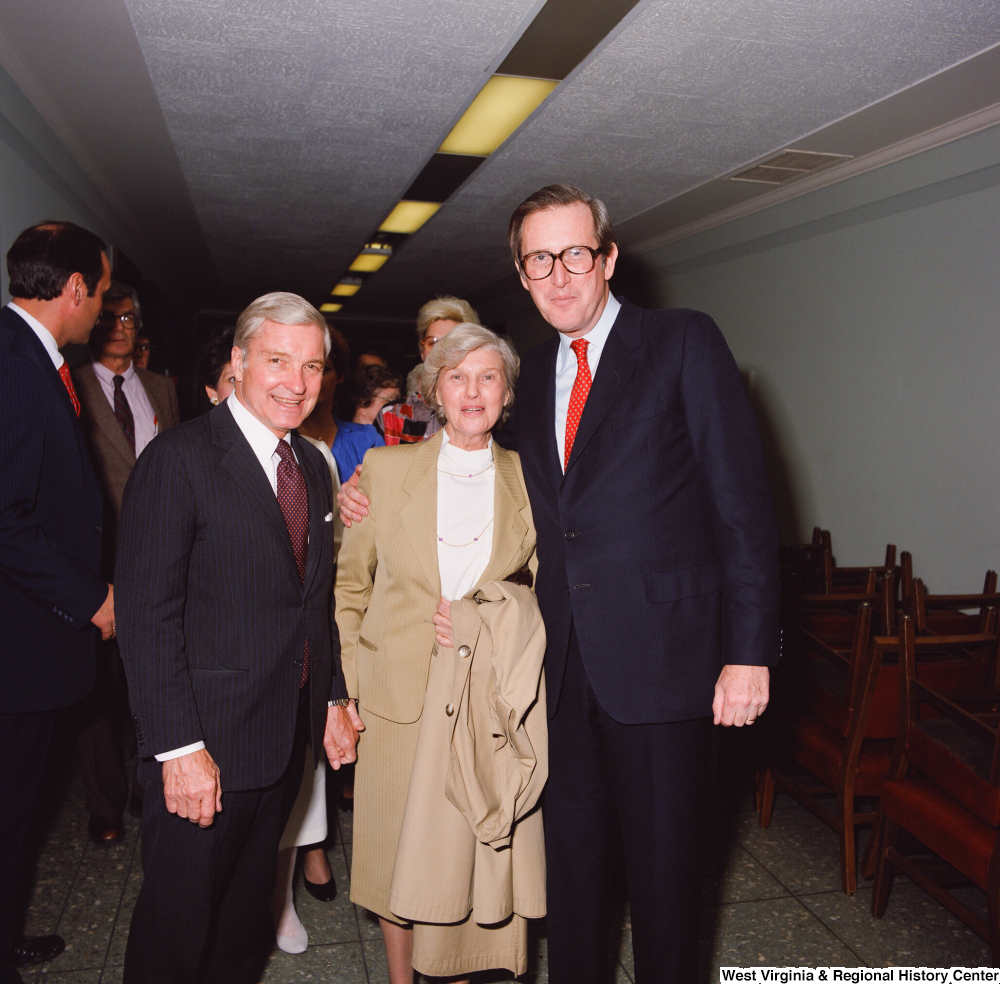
(771, 897)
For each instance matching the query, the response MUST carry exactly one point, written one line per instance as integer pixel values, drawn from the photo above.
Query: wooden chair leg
(993, 905)
(870, 859)
(765, 796)
(886, 831)
(848, 859)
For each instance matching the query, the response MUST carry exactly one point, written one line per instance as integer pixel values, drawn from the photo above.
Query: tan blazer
(489, 757)
(110, 452)
(386, 621)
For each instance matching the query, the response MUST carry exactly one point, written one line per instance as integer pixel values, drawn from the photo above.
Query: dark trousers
(100, 718)
(204, 910)
(653, 782)
(24, 747)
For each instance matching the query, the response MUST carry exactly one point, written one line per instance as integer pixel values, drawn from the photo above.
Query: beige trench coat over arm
(472, 839)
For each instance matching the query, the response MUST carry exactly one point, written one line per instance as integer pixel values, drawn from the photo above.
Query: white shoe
(297, 939)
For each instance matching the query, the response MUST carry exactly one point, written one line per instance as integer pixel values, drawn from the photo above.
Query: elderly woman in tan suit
(448, 522)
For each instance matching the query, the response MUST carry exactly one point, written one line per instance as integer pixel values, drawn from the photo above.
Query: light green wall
(867, 319)
(40, 180)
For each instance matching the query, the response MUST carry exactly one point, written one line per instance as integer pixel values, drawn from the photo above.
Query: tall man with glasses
(657, 580)
(123, 409)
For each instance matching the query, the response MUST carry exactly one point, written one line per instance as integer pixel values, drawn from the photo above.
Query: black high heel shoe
(321, 891)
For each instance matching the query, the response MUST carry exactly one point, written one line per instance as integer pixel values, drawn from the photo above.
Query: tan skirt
(382, 777)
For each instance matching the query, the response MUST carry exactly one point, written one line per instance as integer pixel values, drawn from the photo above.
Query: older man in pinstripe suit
(226, 626)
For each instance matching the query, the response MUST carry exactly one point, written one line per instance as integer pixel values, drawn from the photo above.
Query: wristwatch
(339, 702)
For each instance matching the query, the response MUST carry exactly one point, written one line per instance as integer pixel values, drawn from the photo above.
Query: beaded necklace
(471, 475)
(475, 539)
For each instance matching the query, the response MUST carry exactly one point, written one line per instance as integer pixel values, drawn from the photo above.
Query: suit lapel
(613, 371)
(317, 511)
(96, 404)
(159, 411)
(419, 514)
(541, 417)
(19, 325)
(509, 527)
(240, 461)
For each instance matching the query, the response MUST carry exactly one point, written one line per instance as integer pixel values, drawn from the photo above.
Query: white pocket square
(328, 518)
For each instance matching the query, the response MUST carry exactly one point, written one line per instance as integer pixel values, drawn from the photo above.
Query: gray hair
(283, 309)
(452, 350)
(444, 308)
(120, 292)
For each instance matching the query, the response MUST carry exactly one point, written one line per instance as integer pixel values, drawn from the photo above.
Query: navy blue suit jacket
(210, 610)
(659, 544)
(50, 532)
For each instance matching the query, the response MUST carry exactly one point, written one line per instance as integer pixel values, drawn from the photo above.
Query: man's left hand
(741, 694)
(341, 737)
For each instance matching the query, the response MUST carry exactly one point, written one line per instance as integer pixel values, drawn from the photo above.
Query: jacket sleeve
(155, 539)
(338, 687)
(355, 577)
(29, 559)
(728, 450)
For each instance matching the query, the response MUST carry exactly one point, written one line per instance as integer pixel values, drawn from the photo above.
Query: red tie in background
(577, 399)
(294, 502)
(68, 383)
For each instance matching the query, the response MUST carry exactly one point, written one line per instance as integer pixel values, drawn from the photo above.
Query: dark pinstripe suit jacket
(50, 532)
(210, 611)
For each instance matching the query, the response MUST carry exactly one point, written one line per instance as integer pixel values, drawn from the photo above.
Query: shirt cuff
(178, 752)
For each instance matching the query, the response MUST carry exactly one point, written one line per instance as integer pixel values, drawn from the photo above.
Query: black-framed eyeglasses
(576, 259)
(129, 321)
(144, 346)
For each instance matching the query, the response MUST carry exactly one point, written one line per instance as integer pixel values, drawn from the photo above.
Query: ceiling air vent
(787, 166)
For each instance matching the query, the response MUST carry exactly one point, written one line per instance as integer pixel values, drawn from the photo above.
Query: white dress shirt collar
(597, 336)
(44, 335)
(262, 439)
(108, 375)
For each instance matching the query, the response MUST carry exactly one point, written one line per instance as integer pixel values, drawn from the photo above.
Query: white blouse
(465, 486)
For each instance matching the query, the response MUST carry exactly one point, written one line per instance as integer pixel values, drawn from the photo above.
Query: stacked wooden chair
(944, 790)
(836, 704)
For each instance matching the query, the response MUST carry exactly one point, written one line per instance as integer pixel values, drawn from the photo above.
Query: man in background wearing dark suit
(657, 581)
(124, 408)
(226, 620)
(51, 589)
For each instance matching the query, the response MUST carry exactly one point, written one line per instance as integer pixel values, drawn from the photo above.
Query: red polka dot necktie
(70, 388)
(294, 502)
(578, 398)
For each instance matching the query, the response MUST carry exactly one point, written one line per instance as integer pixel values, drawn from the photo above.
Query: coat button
(449, 709)
(569, 534)
(464, 651)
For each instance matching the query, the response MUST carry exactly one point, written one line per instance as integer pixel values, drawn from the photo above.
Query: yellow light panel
(345, 290)
(409, 216)
(368, 263)
(504, 103)
(330, 308)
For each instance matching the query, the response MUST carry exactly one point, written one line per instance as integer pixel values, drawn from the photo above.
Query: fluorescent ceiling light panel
(502, 105)
(330, 308)
(409, 216)
(368, 262)
(345, 290)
